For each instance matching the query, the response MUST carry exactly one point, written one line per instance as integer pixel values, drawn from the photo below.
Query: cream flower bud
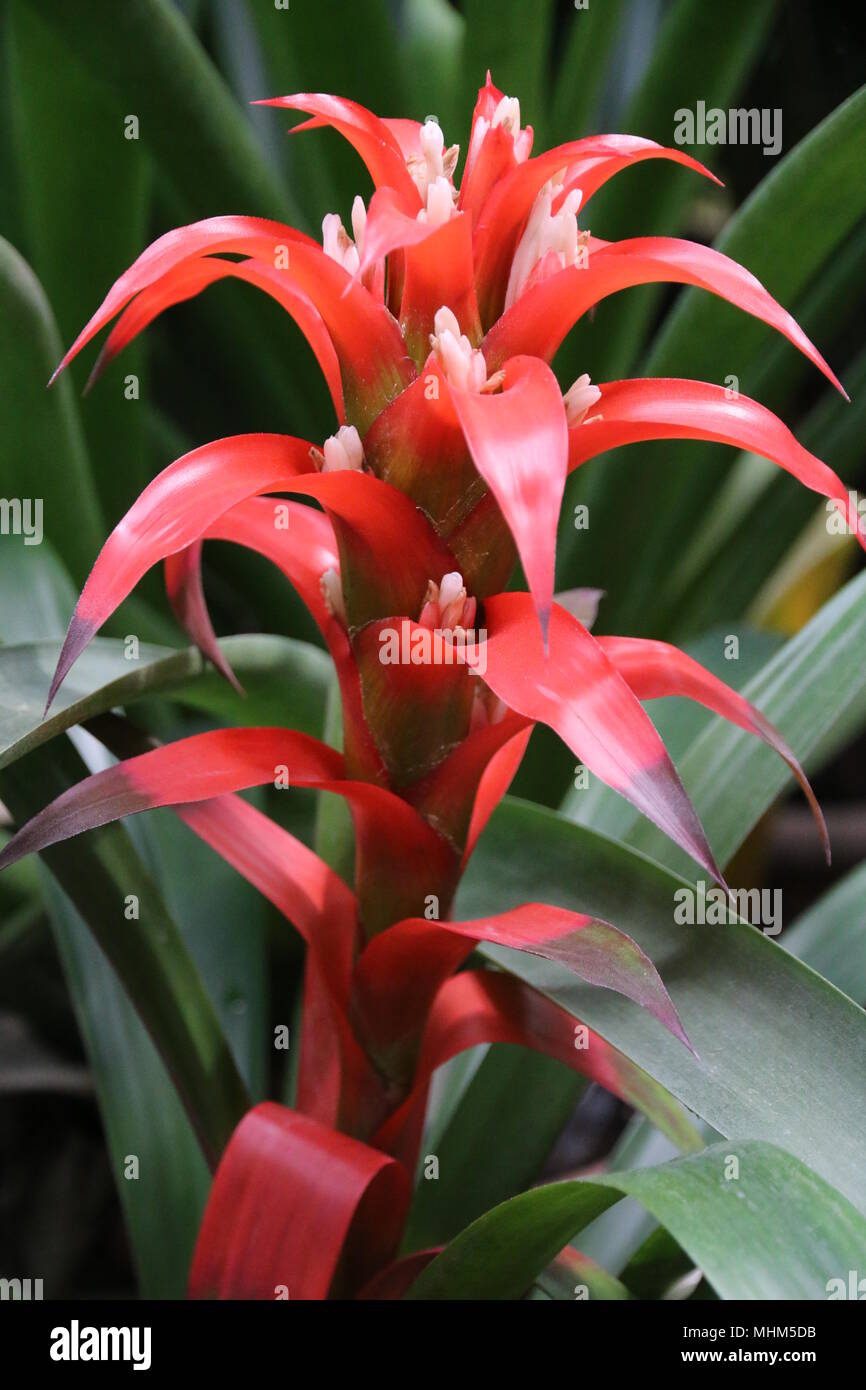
(435, 161)
(464, 366)
(343, 450)
(359, 223)
(337, 243)
(546, 231)
(332, 593)
(579, 398)
(440, 203)
(507, 114)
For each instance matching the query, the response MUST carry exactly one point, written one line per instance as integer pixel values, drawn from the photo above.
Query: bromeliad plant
(434, 325)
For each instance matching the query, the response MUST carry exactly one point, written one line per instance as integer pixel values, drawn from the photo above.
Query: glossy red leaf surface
(296, 1211)
(399, 973)
(656, 669)
(374, 139)
(173, 512)
(518, 439)
(578, 692)
(484, 1006)
(678, 408)
(587, 164)
(541, 318)
(191, 277)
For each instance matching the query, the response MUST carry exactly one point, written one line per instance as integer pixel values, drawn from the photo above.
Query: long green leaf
(144, 1119)
(781, 1053)
(507, 1121)
(775, 1230)
(86, 220)
(286, 682)
(582, 68)
(695, 58)
(146, 53)
(45, 456)
(829, 936)
(104, 878)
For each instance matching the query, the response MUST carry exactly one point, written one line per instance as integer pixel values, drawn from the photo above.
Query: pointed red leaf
(303, 550)
(461, 793)
(579, 693)
(373, 138)
(226, 760)
(248, 236)
(484, 1006)
(173, 512)
(400, 972)
(495, 781)
(335, 1081)
(192, 769)
(678, 408)
(588, 163)
(300, 885)
(656, 669)
(190, 277)
(387, 548)
(489, 154)
(518, 439)
(292, 1202)
(368, 343)
(541, 318)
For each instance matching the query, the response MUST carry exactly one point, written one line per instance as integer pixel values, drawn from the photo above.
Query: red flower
(434, 326)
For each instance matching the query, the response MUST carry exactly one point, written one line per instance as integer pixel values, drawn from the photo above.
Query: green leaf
(432, 46)
(85, 221)
(146, 53)
(589, 40)
(208, 899)
(781, 1053)
(505, 1125)
(140, 1107)
(656, 1266)
(44, 448)
(285, 681)
(512, 41)
(800, 190)
(829, 935)
(719, 577)
(334, 836)
(745, 1232)
(141, 1111)
(101, 874)
(694, 58)
(573, 1275)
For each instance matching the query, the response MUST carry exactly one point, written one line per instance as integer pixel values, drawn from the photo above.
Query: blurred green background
(689, 542)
